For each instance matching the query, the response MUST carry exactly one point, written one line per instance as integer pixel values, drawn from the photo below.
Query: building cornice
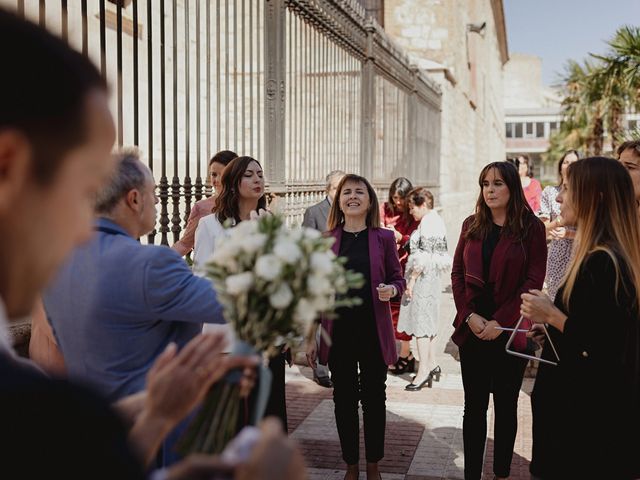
(501, 29)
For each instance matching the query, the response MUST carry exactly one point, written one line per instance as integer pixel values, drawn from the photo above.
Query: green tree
(597, 93)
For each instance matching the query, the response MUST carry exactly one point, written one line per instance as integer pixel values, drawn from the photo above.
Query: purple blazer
(385, 268)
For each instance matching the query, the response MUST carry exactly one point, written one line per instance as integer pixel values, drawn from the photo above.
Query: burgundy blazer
(516, 267)
(385, 268)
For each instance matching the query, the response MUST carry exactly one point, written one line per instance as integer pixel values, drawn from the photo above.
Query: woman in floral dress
(559, 234)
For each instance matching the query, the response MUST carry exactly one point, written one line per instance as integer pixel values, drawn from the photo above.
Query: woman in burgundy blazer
(501, 254)
(359, 368)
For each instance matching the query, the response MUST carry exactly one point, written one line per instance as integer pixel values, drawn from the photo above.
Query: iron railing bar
(119, 71)
(103, 39)
(136, 100)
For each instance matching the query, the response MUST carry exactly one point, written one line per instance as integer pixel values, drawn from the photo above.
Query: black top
(358, 320)
(60, 430)
(486, 304)
(585, 410)
(355, 247)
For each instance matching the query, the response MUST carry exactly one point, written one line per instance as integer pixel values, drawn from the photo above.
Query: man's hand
(178, 382)
(274, 457)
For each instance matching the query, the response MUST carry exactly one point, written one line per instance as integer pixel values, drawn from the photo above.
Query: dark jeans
(355, 348)
(487, 368)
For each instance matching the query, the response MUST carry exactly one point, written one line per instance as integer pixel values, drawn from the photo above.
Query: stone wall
(469, 68)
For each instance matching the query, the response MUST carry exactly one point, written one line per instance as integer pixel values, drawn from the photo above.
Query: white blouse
(208, 230)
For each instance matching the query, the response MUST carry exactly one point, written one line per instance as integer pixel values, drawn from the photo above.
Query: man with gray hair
(117, 304)
(316, 217)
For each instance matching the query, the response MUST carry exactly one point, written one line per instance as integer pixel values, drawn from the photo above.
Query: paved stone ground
(424, 429)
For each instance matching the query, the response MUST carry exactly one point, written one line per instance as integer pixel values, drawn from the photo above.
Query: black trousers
(356, 347)
(487, 368)
(277, 404)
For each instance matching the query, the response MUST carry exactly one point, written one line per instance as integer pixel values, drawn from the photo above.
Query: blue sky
(558, 30)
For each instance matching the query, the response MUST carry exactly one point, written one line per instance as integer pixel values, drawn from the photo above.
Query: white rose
(251, 243)
(321, 303)
(287, 250)
(296, 234)
(248, 227)
(321, 263)
(319, 284)
(281, 298)
(225, 250)
(239, 283)
(268, 267)
(311, 233)
(304, 312)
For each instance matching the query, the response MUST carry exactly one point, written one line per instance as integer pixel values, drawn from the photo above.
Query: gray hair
(332, 175)
(130, 174)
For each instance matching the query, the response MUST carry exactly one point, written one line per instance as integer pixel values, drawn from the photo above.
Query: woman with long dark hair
(500, 255)
(582, 429)
(395, 216)
(241, 192)
(359, 368)
(203, 207)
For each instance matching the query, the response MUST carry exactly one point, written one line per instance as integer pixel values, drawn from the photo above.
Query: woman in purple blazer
(354, 222)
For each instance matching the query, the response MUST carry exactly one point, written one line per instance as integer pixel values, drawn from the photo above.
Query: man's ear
(15, 167)
(134, 200)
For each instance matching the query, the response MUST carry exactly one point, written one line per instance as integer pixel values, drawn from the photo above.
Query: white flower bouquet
(273, 283)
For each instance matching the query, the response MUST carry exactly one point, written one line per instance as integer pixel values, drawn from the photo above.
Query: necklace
(355, 234)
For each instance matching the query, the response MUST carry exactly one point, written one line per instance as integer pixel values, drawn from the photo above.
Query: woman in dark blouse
(585, 410)
(501, 254)
(359, 369)
(394, 215)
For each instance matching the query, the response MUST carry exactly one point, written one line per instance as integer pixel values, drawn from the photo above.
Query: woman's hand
(490, 331)
(558, 233)
(537, 334)
(409, 290)
(386, 292)
(312, 353)
(477, 324)
(537, 307)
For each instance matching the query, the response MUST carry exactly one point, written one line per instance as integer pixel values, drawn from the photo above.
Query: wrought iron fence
(305, 86)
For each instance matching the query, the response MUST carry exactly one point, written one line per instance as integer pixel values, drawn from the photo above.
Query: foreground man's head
(56, 134)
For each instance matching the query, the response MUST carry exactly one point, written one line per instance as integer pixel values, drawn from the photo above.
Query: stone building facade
(462, 44)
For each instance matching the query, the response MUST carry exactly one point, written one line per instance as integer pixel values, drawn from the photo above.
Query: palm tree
(620, 77)
(598, 93)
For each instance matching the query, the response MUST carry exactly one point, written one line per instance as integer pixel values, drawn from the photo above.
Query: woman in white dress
(428, 260)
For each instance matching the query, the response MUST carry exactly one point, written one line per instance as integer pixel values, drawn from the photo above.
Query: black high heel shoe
(412, 387)
(402, 365)
(435, 373)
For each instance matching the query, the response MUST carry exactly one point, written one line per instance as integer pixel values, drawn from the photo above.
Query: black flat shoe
(412, 387)
(435, 373)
